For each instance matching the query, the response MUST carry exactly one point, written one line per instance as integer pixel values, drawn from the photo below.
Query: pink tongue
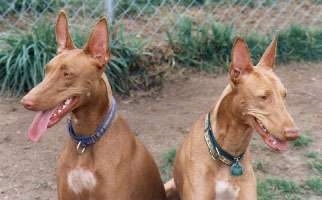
(280, 145)
(39, 125)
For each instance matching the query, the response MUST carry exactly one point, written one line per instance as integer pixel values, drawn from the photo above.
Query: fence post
(109, 10)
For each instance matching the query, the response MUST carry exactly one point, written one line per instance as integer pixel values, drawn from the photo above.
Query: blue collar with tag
(85, 141)
(218, 153)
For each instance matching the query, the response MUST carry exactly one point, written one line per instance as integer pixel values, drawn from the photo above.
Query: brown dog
(102, 159)
(214, 161)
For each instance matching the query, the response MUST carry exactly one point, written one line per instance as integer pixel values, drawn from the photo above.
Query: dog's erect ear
(241, 62)
(97, 44)
(268, 58)
(63, 38)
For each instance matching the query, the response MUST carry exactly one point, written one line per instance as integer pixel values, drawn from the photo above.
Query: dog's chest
(225, 188)
(80, 179)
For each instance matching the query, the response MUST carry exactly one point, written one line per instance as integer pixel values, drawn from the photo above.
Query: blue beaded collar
(85, 141)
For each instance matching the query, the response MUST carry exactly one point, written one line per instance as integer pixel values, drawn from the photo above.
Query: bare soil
(27, 170)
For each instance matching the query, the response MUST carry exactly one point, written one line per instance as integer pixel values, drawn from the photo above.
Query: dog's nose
(291, 133)
(28, 104)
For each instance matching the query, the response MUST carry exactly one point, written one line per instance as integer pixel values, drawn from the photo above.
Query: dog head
(72, 77)
(260, 96)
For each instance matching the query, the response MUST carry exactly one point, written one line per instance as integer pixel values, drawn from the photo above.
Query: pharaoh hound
(214, 161)
(102, 158)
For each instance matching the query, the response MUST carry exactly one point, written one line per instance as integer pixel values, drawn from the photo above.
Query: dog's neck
(231, 132)
(87, 118)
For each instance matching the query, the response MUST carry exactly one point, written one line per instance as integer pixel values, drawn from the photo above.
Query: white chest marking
(226, 191)
(81, 179)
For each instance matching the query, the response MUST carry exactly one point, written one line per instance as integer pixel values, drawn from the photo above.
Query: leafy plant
(23, 59)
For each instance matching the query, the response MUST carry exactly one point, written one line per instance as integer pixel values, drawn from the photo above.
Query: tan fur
(118, 166)
(253, 92)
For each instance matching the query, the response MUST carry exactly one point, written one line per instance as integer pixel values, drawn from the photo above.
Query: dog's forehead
(262, 78)
(72, 58)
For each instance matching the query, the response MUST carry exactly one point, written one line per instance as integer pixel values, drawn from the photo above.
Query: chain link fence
(151, 19)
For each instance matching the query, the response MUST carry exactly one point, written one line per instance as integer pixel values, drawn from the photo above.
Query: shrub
(208, 46)
(203, 46)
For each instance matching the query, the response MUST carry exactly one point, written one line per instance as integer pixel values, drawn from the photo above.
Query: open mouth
(61, 110)
(48, 118)
(271, 141)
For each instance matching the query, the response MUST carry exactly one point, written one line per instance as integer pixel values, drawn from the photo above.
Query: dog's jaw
(270, 140)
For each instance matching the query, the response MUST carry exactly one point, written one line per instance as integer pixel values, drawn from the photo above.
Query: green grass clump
(315, 162)
(168, 160)
(312, 154)
(302, 141)
(314, 184)
(273, 188)
(23, 57)
(317, 165)
(208, 46)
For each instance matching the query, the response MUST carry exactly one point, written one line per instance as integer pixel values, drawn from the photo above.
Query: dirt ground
(27, 170)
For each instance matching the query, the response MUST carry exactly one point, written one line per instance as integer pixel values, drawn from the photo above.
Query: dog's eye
(263, 97)
(66, 74)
